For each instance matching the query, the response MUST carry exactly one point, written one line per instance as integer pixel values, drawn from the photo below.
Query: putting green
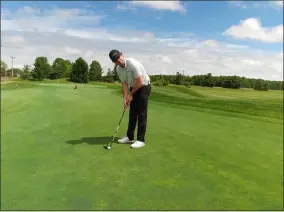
(196, 157)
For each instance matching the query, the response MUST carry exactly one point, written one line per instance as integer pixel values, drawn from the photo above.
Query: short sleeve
(136, 69)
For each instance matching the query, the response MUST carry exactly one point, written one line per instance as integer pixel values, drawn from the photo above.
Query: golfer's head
(116, 57)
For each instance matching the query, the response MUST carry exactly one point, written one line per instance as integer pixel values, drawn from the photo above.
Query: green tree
(275, 85)
(16, 72)
(161, 81)
(68, 64)
(245, 83)
(232, 82)
(178, 79)
(208, 80)
(109, 76)
(261, 85)
(41, 68)
(26, 73)
(4, 68)
(79, 71)
(60, 68)
(114, 74)
(96, 71)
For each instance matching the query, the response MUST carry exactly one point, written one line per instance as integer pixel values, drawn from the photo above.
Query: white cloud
(278, 3)
(32, 19)
(240, 4)
(210, 43)
(175, 6)
(257, 4)
(168, 54)
(159, 58)
(14, 40)
(73, 51)
(125, 7)
(26, 10)
(251, 28)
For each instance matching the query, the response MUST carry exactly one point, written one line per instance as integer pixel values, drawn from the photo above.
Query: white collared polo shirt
(133, 69)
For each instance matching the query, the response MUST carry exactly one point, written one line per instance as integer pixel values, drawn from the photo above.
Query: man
(133, 75)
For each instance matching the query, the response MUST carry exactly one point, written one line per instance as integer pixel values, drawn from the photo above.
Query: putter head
(107, 147)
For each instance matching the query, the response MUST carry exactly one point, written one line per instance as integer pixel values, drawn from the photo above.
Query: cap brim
(115, 58)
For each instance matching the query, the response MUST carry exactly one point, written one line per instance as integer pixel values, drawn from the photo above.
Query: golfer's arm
(137, 85)
(137, 73)
(124, 89)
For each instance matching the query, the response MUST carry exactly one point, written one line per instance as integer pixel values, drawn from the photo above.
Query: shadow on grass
(93, 140)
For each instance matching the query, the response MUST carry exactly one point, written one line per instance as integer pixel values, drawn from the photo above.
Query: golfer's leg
(143, 112)
(132, 119)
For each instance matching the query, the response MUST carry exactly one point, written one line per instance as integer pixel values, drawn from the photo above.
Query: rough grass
(195, 158)
(178, 90)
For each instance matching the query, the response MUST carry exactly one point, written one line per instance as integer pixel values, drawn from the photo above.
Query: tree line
(207, 80)
(80, 71)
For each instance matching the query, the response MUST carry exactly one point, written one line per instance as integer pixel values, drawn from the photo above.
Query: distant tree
(261, 85)
(178, 79)
(26, 73)
(245, 83)
(79, 71)
(109, 76)
(96, 71)
(4, 68)
(232, 82)
(171, 78)
(16, 72)
(59, 69)
(207, 81)
(275, 85)
(197, 79)
(114, 74)
(68, 64)
(41, 68)
(161, 81)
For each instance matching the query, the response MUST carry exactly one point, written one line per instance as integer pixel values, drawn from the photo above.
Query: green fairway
(206, 149)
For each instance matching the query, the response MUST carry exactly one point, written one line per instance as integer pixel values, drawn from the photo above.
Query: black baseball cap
(114, 54)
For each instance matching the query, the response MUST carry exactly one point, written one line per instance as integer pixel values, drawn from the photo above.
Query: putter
(108, 147)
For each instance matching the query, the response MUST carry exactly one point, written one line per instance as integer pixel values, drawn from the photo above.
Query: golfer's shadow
(93, 140)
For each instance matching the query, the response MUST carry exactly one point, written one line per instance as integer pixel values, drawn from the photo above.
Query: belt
(147, 83)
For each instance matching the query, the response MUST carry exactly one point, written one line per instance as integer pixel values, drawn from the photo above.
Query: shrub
(161, 82)
(261, 85)
(187, 84)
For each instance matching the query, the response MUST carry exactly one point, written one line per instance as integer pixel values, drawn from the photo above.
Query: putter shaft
(110, 143)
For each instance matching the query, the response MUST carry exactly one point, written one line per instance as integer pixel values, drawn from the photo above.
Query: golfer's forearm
(137, 85)
(124, 89)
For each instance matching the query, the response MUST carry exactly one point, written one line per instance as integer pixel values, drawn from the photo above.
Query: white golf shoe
(137, 144)
(124, 140)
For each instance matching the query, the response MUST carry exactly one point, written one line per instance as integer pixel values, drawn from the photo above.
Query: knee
(143, 114)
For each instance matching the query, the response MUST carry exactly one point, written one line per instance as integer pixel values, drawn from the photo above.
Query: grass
(205, 150)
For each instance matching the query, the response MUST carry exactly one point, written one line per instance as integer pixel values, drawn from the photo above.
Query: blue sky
(207, 19)
(197, 21)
